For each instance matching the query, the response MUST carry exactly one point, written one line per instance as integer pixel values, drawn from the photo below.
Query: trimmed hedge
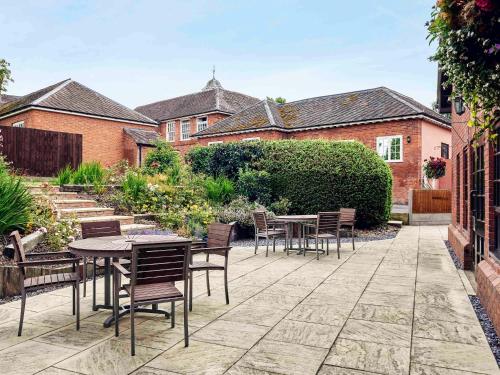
(313, 175)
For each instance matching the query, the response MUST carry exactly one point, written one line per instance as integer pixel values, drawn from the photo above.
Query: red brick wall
(103, 140)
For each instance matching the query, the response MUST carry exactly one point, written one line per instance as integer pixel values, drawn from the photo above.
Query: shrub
(280, 207)
(64, 176)
(219, 190)
(161, 159)
(255, 185)
(315, 175)
(239, 210)
(42, 213)
(88, 174)
(60, 233)
(15, 204)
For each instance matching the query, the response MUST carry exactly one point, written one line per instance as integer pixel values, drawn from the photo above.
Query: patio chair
(267, 229)
(347, 220)
(154, 270)
(327, 227)
(98, 229)
(30, 284)
(219, 236)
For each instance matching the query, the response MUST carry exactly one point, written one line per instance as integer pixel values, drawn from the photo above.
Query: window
(390, 148)
(445, 151)
(171, 131)
(457, 190)
(201, 123)
(18, 124)
(185, 129)
(251, 139)
(214, 143)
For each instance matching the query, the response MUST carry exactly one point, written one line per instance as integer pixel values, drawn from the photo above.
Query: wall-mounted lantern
(458, 103)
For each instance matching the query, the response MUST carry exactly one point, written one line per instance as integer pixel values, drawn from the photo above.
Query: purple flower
(493, 49)
(485, 5)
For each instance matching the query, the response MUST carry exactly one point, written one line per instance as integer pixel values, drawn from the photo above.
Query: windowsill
(186, 139)
(393, 161)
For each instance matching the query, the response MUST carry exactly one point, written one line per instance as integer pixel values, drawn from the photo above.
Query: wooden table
(300, 220)
(112, 248)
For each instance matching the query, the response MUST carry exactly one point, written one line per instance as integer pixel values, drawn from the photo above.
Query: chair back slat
(260, 221)
(19, 255)
(101, 229)
(159, 262)
(348, 215)
(219, 235)
(328, 222)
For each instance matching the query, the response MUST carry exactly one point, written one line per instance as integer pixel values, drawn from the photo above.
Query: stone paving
(391, 307)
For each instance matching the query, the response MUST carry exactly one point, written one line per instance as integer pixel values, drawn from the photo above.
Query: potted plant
(434, 169)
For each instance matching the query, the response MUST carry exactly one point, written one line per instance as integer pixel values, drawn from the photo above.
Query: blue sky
(137, 52)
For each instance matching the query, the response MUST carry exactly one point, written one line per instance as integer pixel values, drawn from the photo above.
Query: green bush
(313, 175)
(219, 190)
(161, 159)
(239, 210)
(64, 176)
(134, 185)
(88, 174)
(15, 204)
(255, 185)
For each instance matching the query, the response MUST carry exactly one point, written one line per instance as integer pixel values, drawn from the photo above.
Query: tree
(5, 75)
(278, 99)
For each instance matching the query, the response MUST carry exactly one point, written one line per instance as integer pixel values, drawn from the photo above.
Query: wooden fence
(426, 201)
(38, 152)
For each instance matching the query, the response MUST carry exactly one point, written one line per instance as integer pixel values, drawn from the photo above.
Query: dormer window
(201, 123)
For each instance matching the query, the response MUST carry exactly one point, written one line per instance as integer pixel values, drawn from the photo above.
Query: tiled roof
(213, 98)
(71, 96)
(142, 137)
(333, 110)
(7, 98)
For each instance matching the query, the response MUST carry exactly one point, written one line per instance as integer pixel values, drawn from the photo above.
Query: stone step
(395, 223)
(124, 220)
(56, 195)
(86, 212)
(41, 189)
(133, 227)
(75, 203)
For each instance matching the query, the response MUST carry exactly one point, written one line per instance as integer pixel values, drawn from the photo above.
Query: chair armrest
(121, 269)
(33, 263)
(198, 244)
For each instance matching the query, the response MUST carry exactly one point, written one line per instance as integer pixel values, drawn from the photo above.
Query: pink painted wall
(432, 137)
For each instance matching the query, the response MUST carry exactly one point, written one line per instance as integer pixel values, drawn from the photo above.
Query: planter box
(242, 233)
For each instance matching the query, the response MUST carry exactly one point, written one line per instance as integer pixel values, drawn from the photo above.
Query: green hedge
(313, 175)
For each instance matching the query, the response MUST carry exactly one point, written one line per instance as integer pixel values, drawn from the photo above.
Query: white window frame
(170, 131)
(389, 139)
(214, 143)
(18, 124)
(183, 134)
(250, 139)
(199, 123)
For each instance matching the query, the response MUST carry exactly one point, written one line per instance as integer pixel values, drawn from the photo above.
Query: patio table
(111, 248)
(300, 220)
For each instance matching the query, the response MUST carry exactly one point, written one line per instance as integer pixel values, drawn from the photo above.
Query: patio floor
(390, 307)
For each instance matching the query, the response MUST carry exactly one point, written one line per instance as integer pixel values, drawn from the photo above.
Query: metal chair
(348, 219)
(29, 284)
(219, 237)
(267, 230)
(154, 270)
(327, 227)
(98, 229)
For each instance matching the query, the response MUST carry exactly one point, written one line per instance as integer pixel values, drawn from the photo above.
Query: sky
(138, 52)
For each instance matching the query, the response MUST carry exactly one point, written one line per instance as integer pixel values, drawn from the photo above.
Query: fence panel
(426, 201)
(40, 152)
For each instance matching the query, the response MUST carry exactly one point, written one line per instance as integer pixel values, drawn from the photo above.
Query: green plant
(62, 232)
(64, 176)
(42, 213)
(88, 174)
(255, 185)
(219, 190)
(280, 207)
(15, 204)
(434, 167)
(468, 52)
(161, 159)
(134, 185)
(239, 210)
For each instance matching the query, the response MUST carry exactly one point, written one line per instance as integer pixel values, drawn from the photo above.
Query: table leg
(107, 281)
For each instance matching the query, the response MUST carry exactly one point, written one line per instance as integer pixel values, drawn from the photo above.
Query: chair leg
(208, 284)
(186, 332)
(256, 243)
(116, 303)
(21, 319)
(191, 291)
(352, 235)
(84, 277)
(327, 247)
(274, 244)
(338, 246)
(132, 329)
(77, 302)
(317, 249)
(226, 286)
(94, 283)
(267, 246)
(172, 314)
(74, 305)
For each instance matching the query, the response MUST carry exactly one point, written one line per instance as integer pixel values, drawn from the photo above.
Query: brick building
(474, 233)
(181, 117)
(401, 130)
(70, 107)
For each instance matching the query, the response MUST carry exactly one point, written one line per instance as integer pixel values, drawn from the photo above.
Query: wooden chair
(98, 229)
(29, 284)
(327, 227)
(348, 220)
(267, 230)
(219, 237)
(154, 270)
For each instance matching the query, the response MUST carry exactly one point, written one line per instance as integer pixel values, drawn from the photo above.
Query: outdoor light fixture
(458, 102)
(408, 139)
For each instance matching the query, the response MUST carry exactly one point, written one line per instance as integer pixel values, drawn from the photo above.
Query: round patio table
(300, 220)
(111, 248)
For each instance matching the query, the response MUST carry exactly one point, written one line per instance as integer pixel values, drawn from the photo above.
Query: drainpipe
(140, 155)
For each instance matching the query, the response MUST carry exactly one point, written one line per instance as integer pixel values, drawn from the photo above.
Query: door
(477, 206)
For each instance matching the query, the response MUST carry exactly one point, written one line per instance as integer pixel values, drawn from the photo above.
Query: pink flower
(485, 5)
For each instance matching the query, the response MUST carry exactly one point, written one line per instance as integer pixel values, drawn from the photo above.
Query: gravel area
(487, 326)
(453, 256)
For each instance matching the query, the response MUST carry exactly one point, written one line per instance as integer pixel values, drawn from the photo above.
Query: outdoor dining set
(144, 268)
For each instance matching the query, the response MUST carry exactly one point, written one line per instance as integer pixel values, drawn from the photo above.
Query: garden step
(124, 220)
(133, 227)
(55, 195)
(42, 189)
(395, 223)
(75, 203)
(86, 212)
